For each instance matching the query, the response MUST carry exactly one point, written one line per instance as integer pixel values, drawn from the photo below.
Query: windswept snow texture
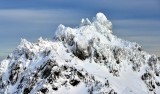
(84, 60)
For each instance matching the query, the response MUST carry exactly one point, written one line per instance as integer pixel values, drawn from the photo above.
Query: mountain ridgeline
(84, 60)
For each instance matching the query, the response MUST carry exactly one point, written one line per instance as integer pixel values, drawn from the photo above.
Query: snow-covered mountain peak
(84, 60)
(85, 22)
(24, 43)
(101, 18)
(99, 24)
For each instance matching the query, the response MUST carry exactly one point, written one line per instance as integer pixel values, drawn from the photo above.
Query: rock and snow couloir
(84, 60)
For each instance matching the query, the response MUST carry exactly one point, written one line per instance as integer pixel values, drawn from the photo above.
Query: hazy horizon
(136, 21)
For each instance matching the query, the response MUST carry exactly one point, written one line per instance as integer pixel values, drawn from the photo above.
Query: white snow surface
(84, 60)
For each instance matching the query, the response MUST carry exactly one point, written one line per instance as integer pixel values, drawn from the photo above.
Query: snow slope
(84, 60)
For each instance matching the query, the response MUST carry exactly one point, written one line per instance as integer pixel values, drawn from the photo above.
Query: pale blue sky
(134, 20)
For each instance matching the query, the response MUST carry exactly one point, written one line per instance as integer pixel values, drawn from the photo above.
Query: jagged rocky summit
(84, 60)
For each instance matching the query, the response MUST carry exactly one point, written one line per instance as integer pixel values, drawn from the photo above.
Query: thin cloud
(38, 16)
(137, 25)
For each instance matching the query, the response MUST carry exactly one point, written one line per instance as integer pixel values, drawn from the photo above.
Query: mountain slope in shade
(84, 60)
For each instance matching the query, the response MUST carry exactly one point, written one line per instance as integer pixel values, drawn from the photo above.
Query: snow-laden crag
(84, 60)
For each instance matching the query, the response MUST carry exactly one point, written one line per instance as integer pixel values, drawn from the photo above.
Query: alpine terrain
(87, 59)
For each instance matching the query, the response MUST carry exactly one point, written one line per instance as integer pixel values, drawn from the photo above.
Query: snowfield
(84, 60)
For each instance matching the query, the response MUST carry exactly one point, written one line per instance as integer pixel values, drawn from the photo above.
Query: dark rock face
(29, 55)
(26, 91)
(46, 72)
(44, 90)
(15, 70)
(74, 82)
(149, 80)
(80, 75)
(146, 76)
(55, 88)
(82, 53)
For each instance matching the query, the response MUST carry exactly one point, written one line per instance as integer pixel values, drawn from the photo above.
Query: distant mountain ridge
(84, 60)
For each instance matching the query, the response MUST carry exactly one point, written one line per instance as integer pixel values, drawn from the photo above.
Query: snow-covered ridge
(98, 30)
(87, 59)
